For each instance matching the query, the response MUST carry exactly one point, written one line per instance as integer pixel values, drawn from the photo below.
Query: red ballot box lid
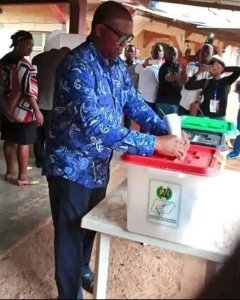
(200, 160)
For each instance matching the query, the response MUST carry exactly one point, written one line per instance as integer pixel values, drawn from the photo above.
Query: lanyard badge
(214, 103)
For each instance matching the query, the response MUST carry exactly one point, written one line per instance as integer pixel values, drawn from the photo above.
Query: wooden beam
(78, 16)
(59, 13)
(83, 17)
(74, 16)
(17, 2)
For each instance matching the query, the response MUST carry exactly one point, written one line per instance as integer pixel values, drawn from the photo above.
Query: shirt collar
(113, 62)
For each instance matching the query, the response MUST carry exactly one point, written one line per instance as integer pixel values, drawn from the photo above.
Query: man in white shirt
(148, 75)
(191, 68)
(131, 61)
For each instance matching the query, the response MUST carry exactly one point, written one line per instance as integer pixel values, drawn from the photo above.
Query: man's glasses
(127, 38)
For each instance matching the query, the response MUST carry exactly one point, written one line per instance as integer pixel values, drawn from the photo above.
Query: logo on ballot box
(163, 202)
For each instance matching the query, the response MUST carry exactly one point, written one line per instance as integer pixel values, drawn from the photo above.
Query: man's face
(172, 55)
(157, 52)
(206, 54)
(130, 53)
(115, 35)
(216, 69)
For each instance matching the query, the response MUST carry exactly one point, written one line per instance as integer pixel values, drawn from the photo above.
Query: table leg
(101, 266)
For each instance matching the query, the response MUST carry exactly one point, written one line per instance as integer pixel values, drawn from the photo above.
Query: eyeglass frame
(121, 37)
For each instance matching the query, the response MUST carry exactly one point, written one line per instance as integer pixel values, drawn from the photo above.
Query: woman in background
(19, 80)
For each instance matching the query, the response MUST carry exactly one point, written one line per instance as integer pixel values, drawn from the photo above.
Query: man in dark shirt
(170, 85)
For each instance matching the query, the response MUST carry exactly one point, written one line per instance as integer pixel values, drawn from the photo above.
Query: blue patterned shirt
(90, 97)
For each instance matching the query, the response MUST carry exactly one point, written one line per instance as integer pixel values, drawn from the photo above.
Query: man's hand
(204, 68)
(186, 142)
(171, 145)
(172, 76)
(147, 62)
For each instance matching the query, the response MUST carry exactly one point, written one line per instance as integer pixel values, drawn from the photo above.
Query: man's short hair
(130, 46)
(109, 10)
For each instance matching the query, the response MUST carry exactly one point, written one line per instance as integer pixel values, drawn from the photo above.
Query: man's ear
(98, 30)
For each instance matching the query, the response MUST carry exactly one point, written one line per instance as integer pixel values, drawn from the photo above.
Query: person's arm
(139, 68)
(33, 103)
(188, 70)
(103, 129)
(93, 120)
(235, 74)
(194, 84)
(184, 74)
(162, 73)
(171, 74)
(28, 82)
(140, 112)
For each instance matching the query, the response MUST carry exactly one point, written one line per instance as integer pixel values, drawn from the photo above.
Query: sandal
(28, 181)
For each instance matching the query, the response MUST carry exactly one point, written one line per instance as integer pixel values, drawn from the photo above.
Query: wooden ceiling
(58, 11)
(41, 13)
(225, 4)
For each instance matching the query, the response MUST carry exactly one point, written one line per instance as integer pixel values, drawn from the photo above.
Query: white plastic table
(108, 219)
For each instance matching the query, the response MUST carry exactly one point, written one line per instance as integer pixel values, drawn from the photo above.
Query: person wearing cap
(190, 68)
(20, 76)
(216, 88)
(92, 90)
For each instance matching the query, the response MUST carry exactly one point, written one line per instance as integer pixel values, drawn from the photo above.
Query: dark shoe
(88, 282)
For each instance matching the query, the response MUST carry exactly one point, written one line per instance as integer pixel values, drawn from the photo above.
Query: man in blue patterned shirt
(92, 90)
